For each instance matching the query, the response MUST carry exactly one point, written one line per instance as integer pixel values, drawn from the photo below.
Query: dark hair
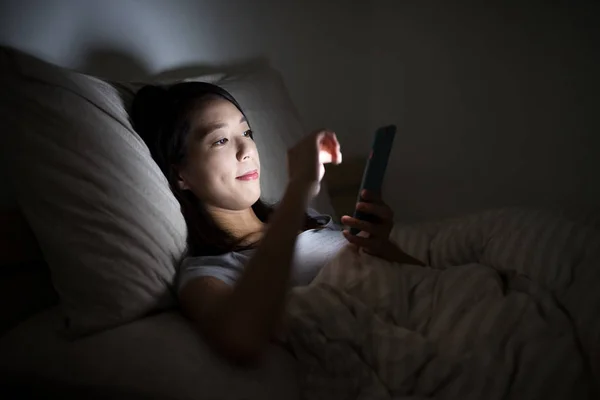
(161, 116)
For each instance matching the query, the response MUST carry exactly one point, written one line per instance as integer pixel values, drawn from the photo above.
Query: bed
(507, 307)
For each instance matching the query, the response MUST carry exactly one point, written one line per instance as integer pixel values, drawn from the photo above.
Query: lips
(248, 176)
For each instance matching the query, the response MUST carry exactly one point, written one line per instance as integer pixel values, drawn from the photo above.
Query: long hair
(161, 116)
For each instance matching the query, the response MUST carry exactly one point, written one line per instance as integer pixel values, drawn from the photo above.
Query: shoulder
(226, 267)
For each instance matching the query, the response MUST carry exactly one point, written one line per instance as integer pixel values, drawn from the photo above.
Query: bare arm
(240, 321)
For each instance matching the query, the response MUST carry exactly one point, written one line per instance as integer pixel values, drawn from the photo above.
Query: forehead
(215, 110)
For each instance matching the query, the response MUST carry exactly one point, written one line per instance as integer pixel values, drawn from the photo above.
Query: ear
(181, 181)
(182, 184)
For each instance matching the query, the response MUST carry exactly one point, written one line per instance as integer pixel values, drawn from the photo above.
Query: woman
(242, 254)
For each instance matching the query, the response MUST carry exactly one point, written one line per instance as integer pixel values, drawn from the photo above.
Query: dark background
(496, 104)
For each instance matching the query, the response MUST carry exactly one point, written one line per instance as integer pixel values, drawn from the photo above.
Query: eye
(249, 134)
(220, 142)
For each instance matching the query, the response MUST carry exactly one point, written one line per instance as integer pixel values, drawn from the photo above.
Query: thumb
(325, 157)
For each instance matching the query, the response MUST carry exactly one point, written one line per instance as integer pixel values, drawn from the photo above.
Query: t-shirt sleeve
(225, 267)
(325, 220)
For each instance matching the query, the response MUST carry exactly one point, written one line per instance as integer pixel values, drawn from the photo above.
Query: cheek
(220, 165)
(215, 168)
(256, 155)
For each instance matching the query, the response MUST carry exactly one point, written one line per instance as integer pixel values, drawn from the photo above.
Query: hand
(307, 158)
(374, 236)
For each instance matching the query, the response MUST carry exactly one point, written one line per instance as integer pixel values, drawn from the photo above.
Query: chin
(247, 200)
(243, 196)
(252, 192)
(255, 197)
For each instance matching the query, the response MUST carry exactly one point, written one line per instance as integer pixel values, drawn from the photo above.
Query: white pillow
(106, 221)
(110, 228)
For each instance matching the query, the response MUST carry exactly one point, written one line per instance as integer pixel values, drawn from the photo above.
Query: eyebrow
(219, 125)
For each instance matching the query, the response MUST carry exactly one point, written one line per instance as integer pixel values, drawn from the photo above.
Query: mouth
(249, 176)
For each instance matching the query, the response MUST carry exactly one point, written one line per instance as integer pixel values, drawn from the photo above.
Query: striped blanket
(508, 308)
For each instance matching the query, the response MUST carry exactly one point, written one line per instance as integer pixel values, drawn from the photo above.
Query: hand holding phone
(374, 172)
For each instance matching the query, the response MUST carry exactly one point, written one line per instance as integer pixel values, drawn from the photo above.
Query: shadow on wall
(113, 64)
(190, 71)
(117, 65)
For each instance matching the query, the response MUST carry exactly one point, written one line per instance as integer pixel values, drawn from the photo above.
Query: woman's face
(222, 167)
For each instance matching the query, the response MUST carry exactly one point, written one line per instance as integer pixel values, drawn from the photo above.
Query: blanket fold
(485, 321)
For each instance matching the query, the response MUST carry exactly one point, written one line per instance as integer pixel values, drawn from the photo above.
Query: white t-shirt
(314, 248)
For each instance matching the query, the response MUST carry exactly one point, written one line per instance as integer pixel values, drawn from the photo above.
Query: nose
(245, 150)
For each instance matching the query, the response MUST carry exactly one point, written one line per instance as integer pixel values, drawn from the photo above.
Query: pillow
(110, 229)
(102, 212)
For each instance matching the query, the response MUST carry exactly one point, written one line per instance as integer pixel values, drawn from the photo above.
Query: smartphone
(374, 172)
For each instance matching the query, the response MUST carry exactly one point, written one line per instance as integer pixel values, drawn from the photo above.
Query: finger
(329, 141)
(338, 150)
(331, 145)
(326, 147)
(363, 234)
(325, 157)
(358, 240)
(380, 210)
(371, 196)
(362, 225)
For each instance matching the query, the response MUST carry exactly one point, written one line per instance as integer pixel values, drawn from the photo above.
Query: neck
(238, 223)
